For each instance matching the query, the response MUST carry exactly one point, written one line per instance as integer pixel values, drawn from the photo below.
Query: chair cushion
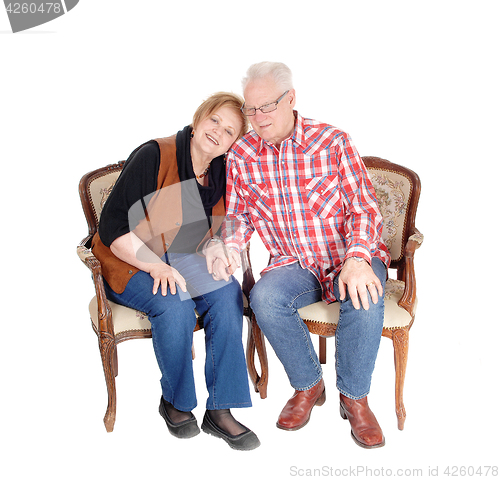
(124, 319)
(394, 317)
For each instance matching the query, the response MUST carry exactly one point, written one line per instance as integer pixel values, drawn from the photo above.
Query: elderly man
(302, 185)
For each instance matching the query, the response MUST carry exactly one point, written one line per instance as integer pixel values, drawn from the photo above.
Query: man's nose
(259, 115)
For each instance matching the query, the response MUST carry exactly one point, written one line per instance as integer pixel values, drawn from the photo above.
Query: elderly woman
(166, 206)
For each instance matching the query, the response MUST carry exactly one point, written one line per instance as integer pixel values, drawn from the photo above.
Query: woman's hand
(165, 276)
(221, 262)
(126, 248)
(222, 272)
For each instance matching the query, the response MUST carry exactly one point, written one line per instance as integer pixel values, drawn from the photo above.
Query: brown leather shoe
(365, 430)
(297, 411)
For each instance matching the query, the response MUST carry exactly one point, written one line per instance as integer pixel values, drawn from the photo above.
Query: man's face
(276, 126)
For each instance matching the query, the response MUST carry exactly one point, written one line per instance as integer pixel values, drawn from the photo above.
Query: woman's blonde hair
(219, 100)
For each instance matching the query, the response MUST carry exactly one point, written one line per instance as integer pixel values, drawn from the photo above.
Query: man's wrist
(356, 259)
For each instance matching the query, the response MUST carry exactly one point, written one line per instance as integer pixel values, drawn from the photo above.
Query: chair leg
(115, 361)
(250, 357)
(256, 342)
(400, 340)
(322, 350)
(107, 348)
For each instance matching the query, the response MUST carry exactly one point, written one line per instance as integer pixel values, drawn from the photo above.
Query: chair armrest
(84, 253)
(105, 318)
(407, 301)
(414, 241)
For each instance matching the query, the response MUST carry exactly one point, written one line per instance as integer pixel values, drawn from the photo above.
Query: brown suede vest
(163, 220)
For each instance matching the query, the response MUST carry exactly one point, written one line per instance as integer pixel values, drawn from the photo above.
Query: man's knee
(269, 302)
(262, 298)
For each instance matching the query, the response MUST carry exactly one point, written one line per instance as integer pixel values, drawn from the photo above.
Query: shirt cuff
(360, 250)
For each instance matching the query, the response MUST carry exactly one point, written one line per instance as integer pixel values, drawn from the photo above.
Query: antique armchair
(398, 190)
(111, 322)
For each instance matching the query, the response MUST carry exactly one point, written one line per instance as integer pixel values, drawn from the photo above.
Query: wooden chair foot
(401, 414)
(107, 348)
(400, 339)
(109, 420)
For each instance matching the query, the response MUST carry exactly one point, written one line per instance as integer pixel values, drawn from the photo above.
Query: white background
(413, 82)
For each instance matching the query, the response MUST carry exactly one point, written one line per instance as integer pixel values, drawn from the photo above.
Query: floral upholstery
(124, 319)
(392, 190)
(100, 189)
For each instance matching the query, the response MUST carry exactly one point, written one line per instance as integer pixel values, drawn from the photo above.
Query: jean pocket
(323, 195)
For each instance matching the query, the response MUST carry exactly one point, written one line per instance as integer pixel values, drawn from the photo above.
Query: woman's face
(216, 133)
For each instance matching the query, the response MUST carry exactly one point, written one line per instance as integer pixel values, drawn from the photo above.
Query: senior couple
(184, 207)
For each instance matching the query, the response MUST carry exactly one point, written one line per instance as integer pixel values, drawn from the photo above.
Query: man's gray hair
(280, 73)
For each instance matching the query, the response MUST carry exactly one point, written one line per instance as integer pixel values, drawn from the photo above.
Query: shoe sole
(207, 428)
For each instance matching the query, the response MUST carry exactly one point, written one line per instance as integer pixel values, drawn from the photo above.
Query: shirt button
(177, 223)
(130, 272)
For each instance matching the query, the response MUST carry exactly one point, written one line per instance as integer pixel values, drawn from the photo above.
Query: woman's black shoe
(185, 429)
(244, 441)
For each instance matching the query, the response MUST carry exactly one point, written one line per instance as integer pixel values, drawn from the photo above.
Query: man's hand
(358, 277)
(221, 262)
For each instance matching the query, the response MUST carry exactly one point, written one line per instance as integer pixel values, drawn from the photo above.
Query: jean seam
(307, 338)
(212, 352)
(353, 397)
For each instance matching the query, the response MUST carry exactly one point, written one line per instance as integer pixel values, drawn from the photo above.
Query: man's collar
(297, 135)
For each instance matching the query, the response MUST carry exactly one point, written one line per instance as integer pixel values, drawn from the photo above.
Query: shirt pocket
(323, 195)
(259, 201)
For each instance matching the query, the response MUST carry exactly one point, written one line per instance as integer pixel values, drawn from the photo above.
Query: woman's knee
(229, 297)
(170, 309)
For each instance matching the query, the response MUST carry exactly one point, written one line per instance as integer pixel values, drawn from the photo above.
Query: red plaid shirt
(312, 201)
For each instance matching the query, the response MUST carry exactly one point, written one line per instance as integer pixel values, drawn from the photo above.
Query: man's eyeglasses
(268, 108)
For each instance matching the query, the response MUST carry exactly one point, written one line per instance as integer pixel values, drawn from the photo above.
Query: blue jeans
(275, 300)
(173, 320)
